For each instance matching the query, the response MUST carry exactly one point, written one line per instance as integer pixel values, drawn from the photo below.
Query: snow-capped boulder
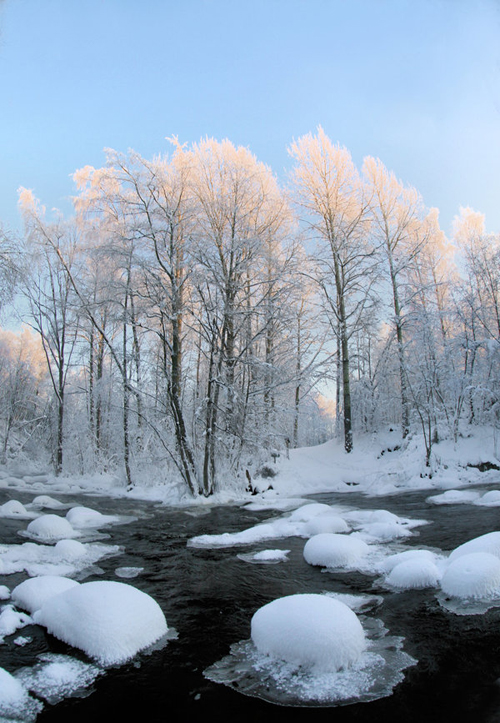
(416, 573)
(49, 528)
(110, 621)
(473, 576)
(334, 550)
(31, 594)
(327, 522)
(81, 517)
(313, 631)
(70, 549)
(490, 542)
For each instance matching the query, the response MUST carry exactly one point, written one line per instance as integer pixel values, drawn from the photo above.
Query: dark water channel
(209, 597)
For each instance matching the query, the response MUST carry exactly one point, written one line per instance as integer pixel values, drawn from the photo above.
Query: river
(210, 595)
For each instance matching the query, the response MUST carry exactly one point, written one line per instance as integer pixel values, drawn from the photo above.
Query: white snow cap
(110, 621)
(473, 576)
(50, 528)
(15, 703)
(314, 631)
(332, 550)
(484, 543)
(31, 594)
(86, 517)
(415, 573)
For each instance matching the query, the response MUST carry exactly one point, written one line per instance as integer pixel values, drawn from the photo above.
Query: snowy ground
(379, 464)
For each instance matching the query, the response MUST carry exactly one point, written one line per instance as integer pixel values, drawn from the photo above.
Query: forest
(195, 317)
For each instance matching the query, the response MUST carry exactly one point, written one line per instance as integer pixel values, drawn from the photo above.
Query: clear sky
(414, 82)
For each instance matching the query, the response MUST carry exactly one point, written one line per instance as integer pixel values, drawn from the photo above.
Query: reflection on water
(209, 597)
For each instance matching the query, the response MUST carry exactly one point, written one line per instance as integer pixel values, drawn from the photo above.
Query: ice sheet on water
(376, 673)
(66, 558)
(265, 557)
(56, 677)
(128, 572)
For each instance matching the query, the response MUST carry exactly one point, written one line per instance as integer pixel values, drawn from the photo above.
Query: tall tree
(335, 206)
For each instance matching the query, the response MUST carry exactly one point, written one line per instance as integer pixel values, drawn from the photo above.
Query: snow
(110, 621)
(326, 522)
(65, 558)
(416, 573)
(31, 594)
(50, 528)
(11, 620)
(309, 630)
(390, 562)
(128, 572)
(56, 677)
(454, 497)
(83, 517)
(490, 542)
(472, 576)
(15, 703)
(14, 509)
(334, 550)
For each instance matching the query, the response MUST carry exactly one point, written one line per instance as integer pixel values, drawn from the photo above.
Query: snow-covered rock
(70, 549)
(313, 631)
(50, 528)
(490, 542)
(334, 550)
(31, 594)
(416, 573)
(82, 517)
(110, 621)
(473, 576)
(327, 522)
(13, 509)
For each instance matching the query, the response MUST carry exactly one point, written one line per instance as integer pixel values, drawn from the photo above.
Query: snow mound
(390, 562)
(44, 501)
(490, 542)
(110, 621)
(327, 522)
(309, 630)
(334, 550)
(417, 573)
(15, 703)
(14, 509)
(385, 531)
(472, 576)
(489, 499)
(50, 528)
(11, 620)
(454, 497)
(82, 517)
(308, 512)
(31, 594)
(70, 549)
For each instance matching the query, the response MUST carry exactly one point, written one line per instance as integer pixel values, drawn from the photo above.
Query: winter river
(209, 596)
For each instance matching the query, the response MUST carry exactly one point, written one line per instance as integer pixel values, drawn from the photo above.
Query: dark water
(209, 597)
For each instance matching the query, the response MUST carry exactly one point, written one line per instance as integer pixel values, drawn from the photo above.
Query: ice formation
(334, 550)
(15, 702)
(50, 528)
(11, 620)
(307, 651)
(31, 594)
(56, 677)
(309, 630)
(110, 621)
(472, 576)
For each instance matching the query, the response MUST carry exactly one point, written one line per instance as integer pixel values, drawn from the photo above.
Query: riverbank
(380, 464)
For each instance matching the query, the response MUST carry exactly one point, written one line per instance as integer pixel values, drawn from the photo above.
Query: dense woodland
(184, 323)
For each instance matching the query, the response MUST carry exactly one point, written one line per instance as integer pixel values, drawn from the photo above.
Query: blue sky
(416, 83)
